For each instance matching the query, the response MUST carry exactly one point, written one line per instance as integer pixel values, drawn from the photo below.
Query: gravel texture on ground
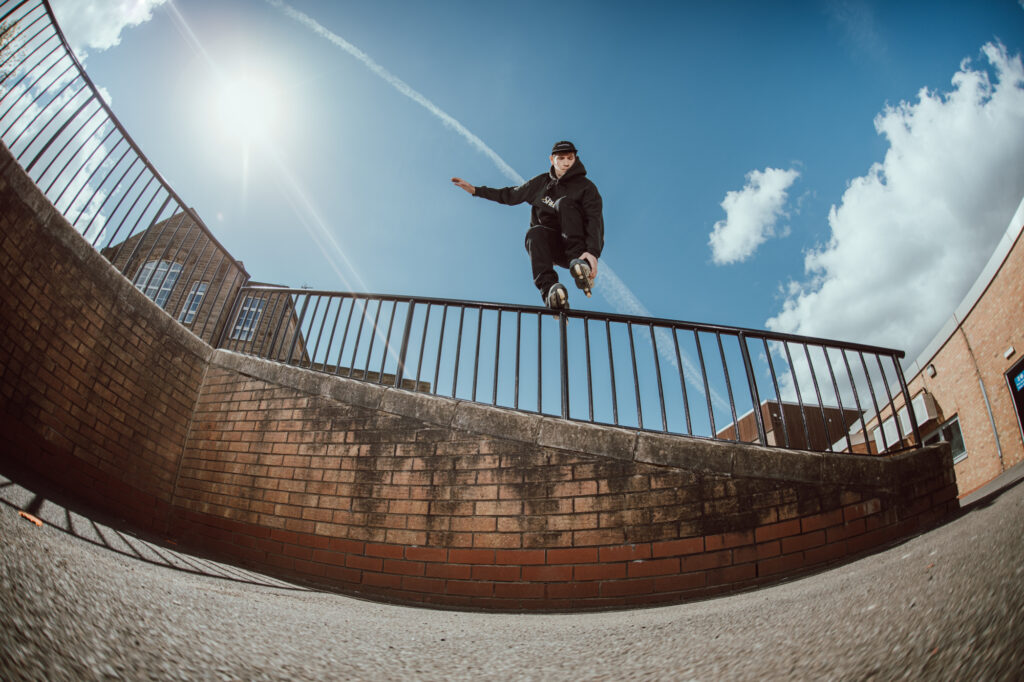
(80, 600)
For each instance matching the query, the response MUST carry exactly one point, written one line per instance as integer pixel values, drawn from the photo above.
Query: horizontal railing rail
(700, 380)
(712, 381)
(56, 123)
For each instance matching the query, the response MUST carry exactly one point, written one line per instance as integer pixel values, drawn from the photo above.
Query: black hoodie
(545, 194)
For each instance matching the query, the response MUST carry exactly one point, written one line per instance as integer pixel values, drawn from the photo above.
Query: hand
(592, 262)
(459, 182)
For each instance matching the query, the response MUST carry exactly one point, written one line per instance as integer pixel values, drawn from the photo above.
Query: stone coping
(677, 451)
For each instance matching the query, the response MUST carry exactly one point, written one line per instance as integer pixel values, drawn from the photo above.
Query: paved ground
(79, 600)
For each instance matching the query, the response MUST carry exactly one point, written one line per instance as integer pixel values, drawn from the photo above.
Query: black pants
(548, 247)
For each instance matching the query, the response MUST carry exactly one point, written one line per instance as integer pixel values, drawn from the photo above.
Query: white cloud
(751, 215)
(98, 25)
(909, 237)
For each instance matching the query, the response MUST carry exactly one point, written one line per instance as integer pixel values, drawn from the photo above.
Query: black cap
(563, 147)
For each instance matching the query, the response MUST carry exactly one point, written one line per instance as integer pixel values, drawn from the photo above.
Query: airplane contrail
(398, 84)
(614, 289)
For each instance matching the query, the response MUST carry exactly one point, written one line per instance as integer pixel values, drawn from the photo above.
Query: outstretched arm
(459, 182)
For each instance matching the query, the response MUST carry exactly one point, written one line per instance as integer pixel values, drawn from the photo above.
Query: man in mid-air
(566, 224)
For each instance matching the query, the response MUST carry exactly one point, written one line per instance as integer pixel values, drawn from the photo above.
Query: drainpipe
(984, 395)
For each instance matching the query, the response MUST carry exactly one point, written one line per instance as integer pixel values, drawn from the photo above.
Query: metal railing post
(906, 398)
(404, 348)
(563, 362)
(754, 393)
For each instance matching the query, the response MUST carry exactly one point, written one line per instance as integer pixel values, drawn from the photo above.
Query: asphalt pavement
(84, 600)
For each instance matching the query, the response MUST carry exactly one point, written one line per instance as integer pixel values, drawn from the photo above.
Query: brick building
(179, 265)
(969, 381)
(792, 425)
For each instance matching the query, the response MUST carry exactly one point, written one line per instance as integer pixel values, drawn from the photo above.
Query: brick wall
(97, 385)
(392, 494)
(974, 353)
(417, 498)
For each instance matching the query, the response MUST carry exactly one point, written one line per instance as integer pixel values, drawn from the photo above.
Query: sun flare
(248, 107)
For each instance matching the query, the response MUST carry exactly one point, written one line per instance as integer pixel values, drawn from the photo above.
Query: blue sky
(837, 169)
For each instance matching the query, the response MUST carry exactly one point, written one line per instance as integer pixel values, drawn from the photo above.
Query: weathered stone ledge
(670, 450)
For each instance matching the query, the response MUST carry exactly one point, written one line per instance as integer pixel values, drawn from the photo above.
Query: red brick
(847, 530)
(403, 567)
(833, 552)
(643, 569)
(782, 564)
(382, 580)
(519, 557)
(385, 551)
(819, 521)
(573, 590)
(426, 554)
(619, 588)
(286, 563)
(599, 571)
(495, 573)
(625, 552)
(315, 541)
(311, 568)
(777, 530)
(731, 574)
(473, 589)
(415, 584)
(345, 575)
(680, 583)
(454, 571)
(873, 539)
(582, 555)
(802, 542)
(727, 540)
(519, 590)
(471, 556)
(547, 573)
(677, 547)
(702, 562)
(364, 563)
(284, 536)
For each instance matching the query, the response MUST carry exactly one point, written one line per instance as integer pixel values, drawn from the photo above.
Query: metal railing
(709, 381)
(699, 380)
(57, 125)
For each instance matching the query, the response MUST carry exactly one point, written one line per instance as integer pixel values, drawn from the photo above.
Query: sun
(248, 107)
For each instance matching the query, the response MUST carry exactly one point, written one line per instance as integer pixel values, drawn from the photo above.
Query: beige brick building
(970, 378)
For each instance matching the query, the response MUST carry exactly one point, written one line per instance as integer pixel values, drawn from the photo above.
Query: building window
(192, 303)
(156, 280)
(949, 433)
(248, 318)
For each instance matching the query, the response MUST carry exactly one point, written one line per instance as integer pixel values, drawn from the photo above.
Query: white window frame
(248, 319)
(943, 433)
(156, 279)
(192, 302)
